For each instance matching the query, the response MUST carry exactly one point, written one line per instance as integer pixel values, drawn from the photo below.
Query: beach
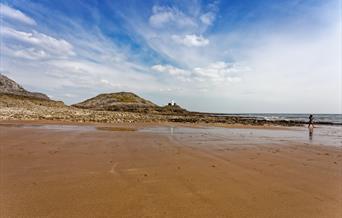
(54, 169)
(170, 109)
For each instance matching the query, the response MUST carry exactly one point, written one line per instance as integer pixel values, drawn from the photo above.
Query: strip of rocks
(41, 112)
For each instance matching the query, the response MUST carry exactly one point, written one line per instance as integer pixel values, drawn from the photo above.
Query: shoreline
(142, 125)
(149, 124)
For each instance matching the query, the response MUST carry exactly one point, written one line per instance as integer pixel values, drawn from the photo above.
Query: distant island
(17, 103)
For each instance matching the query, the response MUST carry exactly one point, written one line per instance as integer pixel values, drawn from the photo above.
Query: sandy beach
(59, 170)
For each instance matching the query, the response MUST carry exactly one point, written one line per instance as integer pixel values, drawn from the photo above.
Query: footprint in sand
(112, 170)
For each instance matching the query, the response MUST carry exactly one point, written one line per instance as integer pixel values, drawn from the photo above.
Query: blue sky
(218, 56)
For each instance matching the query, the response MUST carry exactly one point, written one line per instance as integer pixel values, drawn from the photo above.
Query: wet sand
(84, 171)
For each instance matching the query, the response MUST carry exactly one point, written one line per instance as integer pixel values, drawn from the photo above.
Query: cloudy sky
(232, 56)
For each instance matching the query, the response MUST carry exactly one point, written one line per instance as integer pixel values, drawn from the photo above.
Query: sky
(227, 56)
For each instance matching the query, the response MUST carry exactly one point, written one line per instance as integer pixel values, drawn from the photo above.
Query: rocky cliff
(8, 86)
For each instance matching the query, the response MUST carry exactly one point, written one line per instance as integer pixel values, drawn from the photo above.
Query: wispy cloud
(164, 17)
(214, 72)
(44, 45)
(11, 13)
(191, 40)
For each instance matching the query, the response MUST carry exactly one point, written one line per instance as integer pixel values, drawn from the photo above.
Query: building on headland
(172, 103)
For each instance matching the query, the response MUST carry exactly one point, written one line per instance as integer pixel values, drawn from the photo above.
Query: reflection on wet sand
(310, 133)
(325, 135)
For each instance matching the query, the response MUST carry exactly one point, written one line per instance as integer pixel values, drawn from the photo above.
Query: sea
(325, 119)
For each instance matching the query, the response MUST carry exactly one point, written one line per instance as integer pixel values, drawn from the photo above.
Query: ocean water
(328, 119)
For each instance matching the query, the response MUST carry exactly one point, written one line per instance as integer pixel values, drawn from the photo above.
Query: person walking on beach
(310, 121)
(310, 126)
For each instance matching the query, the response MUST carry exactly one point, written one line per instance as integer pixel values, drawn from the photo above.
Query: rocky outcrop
(120, 101)
(127, 102)
(8, 86)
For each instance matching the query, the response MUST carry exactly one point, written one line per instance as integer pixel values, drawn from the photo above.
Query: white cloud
(31, 53)
(218, 72)
(174, 71)
(298, 71)
(110, 84)
(177, 33)
(36, 44)
(164, 16)
(8, 12)
(191, 40)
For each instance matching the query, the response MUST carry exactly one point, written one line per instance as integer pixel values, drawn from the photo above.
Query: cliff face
(8, 86)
